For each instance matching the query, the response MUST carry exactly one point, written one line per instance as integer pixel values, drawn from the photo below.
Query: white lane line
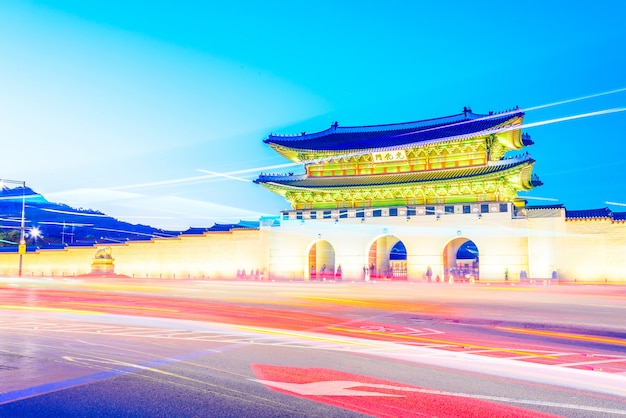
(585, 363)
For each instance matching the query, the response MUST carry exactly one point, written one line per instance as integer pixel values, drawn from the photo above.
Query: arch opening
(461, 260)
(386, 259)
(321, 261)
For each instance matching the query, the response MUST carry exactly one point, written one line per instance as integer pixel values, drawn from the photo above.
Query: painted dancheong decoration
(453, 159)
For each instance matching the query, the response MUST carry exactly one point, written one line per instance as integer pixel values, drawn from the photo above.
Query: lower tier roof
(304, 181)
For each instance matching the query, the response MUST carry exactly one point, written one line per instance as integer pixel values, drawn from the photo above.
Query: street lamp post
(21, 249)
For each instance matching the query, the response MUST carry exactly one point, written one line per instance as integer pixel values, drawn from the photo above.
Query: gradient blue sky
(118, 105)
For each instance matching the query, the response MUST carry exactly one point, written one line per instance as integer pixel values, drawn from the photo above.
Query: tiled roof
(228, 227)
(338, 138)
(221, 228)
(595, 214)
(396, 178)
(543, 207)
(588, 213)
(603, 213)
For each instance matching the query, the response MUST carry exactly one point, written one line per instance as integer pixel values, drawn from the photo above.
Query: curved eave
(291, 154)
(513, 128)
(526, 141)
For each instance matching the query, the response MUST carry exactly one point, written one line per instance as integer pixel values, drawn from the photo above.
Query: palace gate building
(430, 200)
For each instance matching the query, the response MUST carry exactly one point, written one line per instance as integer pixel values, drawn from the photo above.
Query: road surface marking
(362, 393)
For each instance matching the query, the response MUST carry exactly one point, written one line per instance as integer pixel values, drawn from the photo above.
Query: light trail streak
(159, 183)
(566, 336)
(64, 223)
(199, 178)
(117, 241)
(128, 232)
(615, 203)
(43, 309)
(225, 175)
(303, 336)
(256, 169)
(568, 118)
(98, 215)
(111, 305)
(446, 342)
(577, 99)
(408, 307)
(28, 196)
(551, 199)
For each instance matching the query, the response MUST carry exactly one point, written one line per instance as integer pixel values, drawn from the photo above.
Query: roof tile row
(338, 138)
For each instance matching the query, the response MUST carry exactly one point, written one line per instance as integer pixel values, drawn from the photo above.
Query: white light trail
(615, 203)
(129, 232)
(267, 167)
(160, 183)
(566, 118)
(225, 175)
(72, 224)
(28, 196)
(551, 199)
(97, 215)
(577, 99)
(12, 220)
(210, 175)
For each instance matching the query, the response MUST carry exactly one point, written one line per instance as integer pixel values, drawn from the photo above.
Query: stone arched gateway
(461, 260)
(386, 259)
(321, 261)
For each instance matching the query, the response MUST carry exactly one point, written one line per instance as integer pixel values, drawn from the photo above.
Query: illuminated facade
(412, 179)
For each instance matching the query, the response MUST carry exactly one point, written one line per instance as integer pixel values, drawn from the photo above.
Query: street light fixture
(21, 249)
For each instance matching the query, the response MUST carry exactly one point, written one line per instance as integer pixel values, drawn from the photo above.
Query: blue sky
(123, 106)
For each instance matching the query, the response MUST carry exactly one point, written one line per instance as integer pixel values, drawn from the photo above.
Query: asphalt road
(127, 348)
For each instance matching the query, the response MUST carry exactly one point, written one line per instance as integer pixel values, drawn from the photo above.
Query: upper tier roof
(338, 138)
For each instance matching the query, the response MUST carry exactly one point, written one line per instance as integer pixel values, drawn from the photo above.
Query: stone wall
(541, 244)
(211, 255)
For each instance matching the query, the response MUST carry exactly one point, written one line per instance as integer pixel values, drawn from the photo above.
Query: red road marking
(379, 397)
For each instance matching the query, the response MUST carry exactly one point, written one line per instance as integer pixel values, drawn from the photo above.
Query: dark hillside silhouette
(61, 225)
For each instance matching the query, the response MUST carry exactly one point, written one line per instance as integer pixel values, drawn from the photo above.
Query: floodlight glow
(35, 233)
